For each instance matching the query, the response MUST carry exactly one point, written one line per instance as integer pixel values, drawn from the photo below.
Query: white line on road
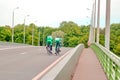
(37, 77)
(24, 53)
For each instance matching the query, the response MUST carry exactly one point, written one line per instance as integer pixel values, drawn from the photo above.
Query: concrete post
(107, 28)
(98, 21)
(91, 28)
(94, 22)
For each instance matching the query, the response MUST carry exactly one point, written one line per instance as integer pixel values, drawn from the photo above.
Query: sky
(53, 12)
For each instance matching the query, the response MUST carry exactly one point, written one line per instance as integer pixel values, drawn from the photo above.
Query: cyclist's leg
(57, 48)
(51, 47)
(48, 47)
(49, 50)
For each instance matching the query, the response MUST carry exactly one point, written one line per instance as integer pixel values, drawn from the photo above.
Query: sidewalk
(88, 67)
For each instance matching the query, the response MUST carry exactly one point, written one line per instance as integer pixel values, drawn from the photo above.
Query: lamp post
(43, 36)
(24, 28)
(39, 37)
(33, 34)
(13, 24)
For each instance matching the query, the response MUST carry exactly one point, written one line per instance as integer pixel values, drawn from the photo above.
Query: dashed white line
(24, 53)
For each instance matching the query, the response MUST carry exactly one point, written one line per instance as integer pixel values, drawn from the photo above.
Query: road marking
(24, 53)
(50, 67)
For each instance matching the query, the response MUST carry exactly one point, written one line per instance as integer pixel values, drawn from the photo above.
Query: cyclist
(57, 45)
(49, 41)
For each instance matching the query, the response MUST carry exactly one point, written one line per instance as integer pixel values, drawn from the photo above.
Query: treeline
(71, 33)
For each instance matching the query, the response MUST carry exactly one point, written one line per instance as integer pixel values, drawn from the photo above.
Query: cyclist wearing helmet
(49, 41)
(57, 44)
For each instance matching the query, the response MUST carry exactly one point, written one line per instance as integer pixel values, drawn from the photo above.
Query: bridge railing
(109, 61)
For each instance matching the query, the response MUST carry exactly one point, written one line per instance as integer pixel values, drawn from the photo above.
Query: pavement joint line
(51, 66)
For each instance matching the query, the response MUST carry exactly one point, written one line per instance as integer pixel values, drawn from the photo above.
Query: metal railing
(109, 61)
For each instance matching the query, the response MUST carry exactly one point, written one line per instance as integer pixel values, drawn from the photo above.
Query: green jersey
(57, 40)
(49, 40)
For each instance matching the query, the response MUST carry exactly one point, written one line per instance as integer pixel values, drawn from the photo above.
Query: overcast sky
(53, 12)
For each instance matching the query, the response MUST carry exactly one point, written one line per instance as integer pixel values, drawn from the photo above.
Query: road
(24, 62)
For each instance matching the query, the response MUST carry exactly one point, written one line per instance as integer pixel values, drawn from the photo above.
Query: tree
(19, 33)
(117, 49)
(58, 33)
(73, 41)
(115, 38)
(5, 33)
(71, 31)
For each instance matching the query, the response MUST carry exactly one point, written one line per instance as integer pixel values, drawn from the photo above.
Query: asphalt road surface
(24, 62)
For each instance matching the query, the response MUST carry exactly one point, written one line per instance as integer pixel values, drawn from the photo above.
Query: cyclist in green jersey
(49, 41)
(57, 44)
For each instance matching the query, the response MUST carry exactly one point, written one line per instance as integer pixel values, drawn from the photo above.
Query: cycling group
(49, 43)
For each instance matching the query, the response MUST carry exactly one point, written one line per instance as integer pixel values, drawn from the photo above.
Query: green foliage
(71, 33)
(117, 49)
(19, 28)
(115, 39)
(5, 33)
(29, 39)
(18, 37)
(70, 28)
(102, 38)
(18, 33)
(84, 40)
(73, 41)
(58, 33)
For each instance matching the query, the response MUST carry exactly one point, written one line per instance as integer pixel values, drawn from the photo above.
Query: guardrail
(63, 70)
(109, 61)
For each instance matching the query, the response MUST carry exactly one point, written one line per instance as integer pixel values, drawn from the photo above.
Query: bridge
(97, 62)
(33, 63)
